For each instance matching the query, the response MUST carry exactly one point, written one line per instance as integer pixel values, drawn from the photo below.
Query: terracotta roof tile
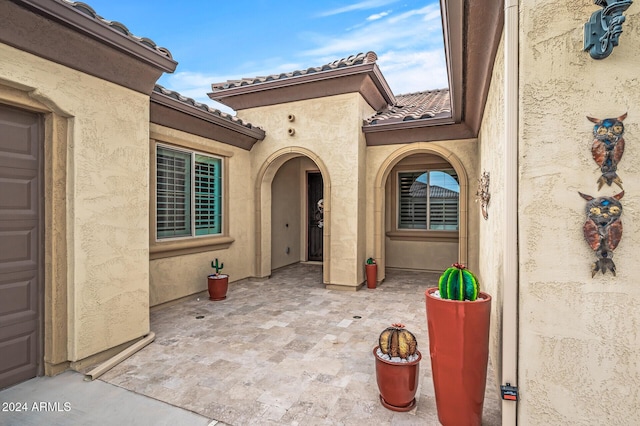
(415, 106)
(193, 103)
(360, 58)
(116, 26)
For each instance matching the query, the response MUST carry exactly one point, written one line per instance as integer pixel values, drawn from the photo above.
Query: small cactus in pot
(458, 283)
(397, 361)
(217, 267)
(398, 342)
(217, 283)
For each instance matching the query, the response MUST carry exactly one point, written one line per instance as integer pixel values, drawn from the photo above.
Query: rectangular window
(428, 199)
(188, 194)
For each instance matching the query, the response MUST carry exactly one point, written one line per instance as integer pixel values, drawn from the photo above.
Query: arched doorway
(444, 160)
(273, 196)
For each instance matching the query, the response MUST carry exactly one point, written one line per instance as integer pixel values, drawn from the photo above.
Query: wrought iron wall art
(608, 147)
(602, 31)
(483, 195)
(603, 230)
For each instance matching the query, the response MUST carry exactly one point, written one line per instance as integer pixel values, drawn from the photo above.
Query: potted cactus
(371, 269)
(458, 317)
(217, 283)
(397, 368)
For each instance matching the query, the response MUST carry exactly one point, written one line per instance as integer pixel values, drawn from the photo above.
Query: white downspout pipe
(510, 250)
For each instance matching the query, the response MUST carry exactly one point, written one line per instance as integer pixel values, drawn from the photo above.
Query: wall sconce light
(602, 31)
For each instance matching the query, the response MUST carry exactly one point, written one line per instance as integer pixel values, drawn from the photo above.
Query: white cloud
(408, 72)
(377, 16)
(409, 48)
(363, 5)
(196, 86)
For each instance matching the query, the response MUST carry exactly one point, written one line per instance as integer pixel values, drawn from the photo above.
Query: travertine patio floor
(286, 351)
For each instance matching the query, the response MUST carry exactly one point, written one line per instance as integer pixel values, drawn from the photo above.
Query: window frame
(407, 234)
(181, 245)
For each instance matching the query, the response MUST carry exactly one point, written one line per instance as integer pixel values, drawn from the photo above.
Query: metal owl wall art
(603, 230)
(608, 147)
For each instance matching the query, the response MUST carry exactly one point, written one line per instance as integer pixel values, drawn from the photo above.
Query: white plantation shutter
(413, 203)
(173, 194)
(422, 201)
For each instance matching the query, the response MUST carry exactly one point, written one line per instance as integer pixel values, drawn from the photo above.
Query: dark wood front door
(315, 209)
(20, 241)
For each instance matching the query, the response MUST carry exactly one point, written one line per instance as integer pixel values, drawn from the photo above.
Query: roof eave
(85, 24)
(247, 96)
(253, 132)
(425, 130)
(472, 32)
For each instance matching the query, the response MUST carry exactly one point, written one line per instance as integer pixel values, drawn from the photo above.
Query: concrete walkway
(283, 351)
(67, 399)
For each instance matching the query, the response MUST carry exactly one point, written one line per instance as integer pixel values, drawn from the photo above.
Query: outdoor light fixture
(603, 30)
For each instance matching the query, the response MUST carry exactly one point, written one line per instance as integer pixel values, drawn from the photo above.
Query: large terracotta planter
(397, 382)
(459, 350)
(217, 286)
(372, 274)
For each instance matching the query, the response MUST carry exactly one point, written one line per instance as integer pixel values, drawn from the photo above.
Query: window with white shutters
(428, 199)
(188, 193)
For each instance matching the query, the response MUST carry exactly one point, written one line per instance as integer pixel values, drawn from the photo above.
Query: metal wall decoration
(603, 230)
(319, 214)
(602, 31)
(483, 195)
(608, 147)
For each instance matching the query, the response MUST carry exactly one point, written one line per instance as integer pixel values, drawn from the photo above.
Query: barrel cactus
(397, 341)
(458, 283)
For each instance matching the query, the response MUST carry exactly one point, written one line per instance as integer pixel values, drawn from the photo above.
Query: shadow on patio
(286, 351)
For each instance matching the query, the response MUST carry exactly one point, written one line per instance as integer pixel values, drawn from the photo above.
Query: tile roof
(360, 58)
(419, 190)
(415, 106)
(117, 26)
(193, 103)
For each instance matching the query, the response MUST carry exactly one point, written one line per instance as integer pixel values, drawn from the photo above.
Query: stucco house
(326, 164)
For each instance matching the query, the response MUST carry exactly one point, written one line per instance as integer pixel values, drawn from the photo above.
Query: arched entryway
(419, 151)
(271, 249)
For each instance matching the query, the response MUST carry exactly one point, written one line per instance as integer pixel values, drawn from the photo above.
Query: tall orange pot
(459, 350)
(372, 274)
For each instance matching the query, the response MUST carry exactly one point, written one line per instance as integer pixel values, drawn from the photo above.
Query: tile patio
(286, 351)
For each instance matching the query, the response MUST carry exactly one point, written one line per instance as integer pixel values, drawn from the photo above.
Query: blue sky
(214, 41)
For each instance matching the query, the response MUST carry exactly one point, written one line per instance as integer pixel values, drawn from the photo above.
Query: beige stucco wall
(420, 255)
(579, 338)
(106, 201)
(179, 276)
(491, 142)
(286, 214)
(329, 130)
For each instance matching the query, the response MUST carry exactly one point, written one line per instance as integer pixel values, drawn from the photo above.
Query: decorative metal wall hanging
(602, 31)
(603, 230)
(319, 214)
(608, 147)
(483, 195)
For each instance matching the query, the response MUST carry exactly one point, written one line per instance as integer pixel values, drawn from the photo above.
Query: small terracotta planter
(397, 382)
(459, 350)
(217, 286)
(372, 274)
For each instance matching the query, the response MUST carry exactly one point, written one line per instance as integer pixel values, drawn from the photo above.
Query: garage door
(20, 245)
